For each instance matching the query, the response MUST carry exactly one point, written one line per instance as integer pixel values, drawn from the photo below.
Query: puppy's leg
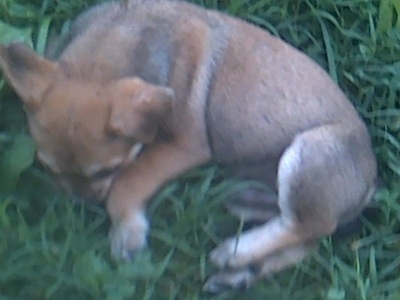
(326, 176)
(254, 205)
(244, 278)
(126, 203)
(255, 244)
(263, 170)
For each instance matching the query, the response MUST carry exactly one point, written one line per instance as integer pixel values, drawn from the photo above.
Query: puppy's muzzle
(86, 189)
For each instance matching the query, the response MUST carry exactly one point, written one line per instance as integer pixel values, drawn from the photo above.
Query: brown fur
(194, 86)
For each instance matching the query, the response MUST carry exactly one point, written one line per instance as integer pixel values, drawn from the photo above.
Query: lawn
(51, 248)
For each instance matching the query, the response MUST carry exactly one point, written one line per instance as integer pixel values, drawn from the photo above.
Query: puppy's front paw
(129, 236)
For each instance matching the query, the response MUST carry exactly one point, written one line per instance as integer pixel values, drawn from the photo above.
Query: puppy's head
(85, 131)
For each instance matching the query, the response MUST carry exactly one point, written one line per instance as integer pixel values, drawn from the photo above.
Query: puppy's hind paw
(229, 254)
(129, 236)
(220, 256)
(226, 280)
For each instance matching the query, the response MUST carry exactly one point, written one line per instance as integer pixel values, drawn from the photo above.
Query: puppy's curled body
(194, 86)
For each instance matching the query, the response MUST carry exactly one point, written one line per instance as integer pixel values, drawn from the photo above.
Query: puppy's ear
(28, 73)
(138, 108)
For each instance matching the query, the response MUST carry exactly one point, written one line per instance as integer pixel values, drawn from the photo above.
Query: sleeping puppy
(146, 90)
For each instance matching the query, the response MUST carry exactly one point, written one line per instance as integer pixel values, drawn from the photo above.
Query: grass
(53, 249)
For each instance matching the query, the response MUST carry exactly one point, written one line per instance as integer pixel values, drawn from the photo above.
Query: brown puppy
(193, 86)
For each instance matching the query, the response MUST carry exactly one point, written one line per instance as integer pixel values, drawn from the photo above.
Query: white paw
(129, 236)
(237, 279)
(233, 253)
(224, 253)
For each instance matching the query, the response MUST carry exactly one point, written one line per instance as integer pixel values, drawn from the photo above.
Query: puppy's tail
(354, 227)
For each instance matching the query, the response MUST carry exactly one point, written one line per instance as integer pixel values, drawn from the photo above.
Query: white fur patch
(288, 165)
(91, 170)
(135, 151)
(129, 236)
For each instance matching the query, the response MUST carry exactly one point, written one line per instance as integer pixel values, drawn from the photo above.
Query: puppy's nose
(87, 196)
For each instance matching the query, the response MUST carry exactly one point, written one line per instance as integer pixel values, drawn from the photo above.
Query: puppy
(145, 90)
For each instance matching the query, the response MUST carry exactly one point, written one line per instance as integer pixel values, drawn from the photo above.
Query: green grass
(53, 249)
